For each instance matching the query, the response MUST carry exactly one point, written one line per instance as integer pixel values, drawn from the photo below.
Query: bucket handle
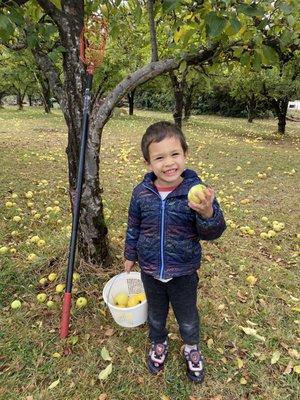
(111, 285)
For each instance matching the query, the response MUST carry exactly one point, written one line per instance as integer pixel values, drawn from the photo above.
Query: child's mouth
(170, 172)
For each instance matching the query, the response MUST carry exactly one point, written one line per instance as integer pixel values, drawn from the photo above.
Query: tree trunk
(2, 95)
(178, 97)
(130, 97)
(251, 105)
(189, 93)
(30, 100)
(280, 107)
(46, 94)
(20, 101)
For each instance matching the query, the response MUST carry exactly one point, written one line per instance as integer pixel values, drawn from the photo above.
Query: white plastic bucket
(131, 283)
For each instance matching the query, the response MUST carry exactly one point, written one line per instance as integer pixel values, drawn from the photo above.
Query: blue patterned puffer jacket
(163, 235)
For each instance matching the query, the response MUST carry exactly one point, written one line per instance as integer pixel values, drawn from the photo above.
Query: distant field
(249, 298)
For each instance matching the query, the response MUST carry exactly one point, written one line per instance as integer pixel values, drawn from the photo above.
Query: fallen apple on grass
(81, 302)
(41, 297)
(16, 304)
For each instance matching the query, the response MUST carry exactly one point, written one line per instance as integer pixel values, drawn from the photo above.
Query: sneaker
(157, 357)
(195, 365)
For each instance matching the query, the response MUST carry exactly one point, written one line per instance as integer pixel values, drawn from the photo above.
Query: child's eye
(175, 154)
(158, 158)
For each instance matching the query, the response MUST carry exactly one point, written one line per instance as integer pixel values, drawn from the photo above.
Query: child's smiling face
(167, 161)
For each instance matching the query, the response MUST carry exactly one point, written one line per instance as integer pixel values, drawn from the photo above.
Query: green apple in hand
(196, 194)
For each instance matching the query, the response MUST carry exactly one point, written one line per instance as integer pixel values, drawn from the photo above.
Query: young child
(163, 236)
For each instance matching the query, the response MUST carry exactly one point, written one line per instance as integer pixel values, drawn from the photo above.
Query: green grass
(32, 153)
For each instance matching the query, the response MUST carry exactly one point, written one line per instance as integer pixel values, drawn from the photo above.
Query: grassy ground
(250, 330)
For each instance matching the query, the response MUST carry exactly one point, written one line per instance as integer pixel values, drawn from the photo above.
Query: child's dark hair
(158, 132)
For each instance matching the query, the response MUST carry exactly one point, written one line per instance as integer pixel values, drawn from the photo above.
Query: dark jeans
(181, 292)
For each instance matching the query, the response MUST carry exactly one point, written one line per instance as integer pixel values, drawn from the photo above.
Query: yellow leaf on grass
(297, 369)
(210, 343)
(56, 355)
(105, 354)
(130, 349)
(252, 332)
(164, 397)
(297, 309)
(275, 357)
(294, 353)
(240, 363)
(243, 381)
(53, 384)
(105, 372)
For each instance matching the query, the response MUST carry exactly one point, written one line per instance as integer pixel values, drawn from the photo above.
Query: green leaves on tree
(215, 24)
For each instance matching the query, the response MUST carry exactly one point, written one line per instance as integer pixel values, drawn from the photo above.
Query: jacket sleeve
(211, 228)
(133, 230)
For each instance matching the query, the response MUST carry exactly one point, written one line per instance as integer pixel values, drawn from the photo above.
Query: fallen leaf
(56, 355)
(297, 309)
(53, 384)
(105, 372)
(164, 397)
(242, 297)
(141, 380)
(294, 353)
(243, 381)
(130, 349)
(288, 368)
(210, 343)
(105, 354)
(103, 396)
(275, 357)
(109, 332)
(252, 332)
(240, 363)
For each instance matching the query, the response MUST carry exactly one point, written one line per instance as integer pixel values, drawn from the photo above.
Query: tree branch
(154, 52)
(143, 75)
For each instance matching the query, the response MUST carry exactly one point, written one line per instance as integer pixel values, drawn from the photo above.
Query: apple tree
(193, 33)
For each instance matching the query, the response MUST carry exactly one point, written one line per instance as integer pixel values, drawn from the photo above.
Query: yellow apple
(81, 302)
(41, 297)
(42, 281)
(52, 276)
(76, 276)
(32, 257)
(3, 250)
(60, 287)
(15, 304)
(41, 243)
(196, 194)
(251, 279)
(141, 297)
(51, 304)
(133, 301)
(121, 299)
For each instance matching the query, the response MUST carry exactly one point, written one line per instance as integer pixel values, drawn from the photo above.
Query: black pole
(64, 325)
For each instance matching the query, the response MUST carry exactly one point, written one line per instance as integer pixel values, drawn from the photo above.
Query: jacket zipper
(162, 266)
(162, 229)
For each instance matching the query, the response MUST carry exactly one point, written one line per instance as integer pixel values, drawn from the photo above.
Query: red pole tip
(65, 319)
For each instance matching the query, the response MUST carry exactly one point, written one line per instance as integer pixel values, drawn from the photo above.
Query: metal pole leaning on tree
(92, 46)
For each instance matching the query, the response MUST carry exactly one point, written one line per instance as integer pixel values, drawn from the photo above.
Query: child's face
(167, 161)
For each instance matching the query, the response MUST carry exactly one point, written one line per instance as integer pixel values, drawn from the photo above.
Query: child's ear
(148, 165)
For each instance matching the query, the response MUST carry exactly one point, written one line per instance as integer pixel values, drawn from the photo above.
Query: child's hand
(128, 265)
(205, 208)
